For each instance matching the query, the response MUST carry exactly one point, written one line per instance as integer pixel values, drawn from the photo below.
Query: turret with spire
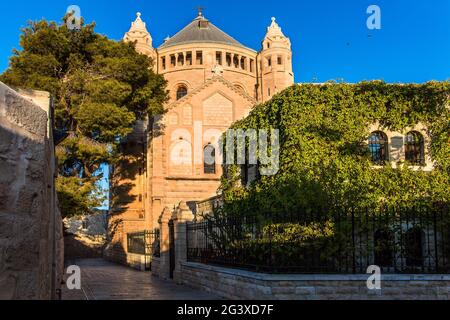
(139, 34)
(276, 62)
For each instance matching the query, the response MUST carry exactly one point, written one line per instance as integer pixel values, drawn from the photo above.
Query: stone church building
(213, 81)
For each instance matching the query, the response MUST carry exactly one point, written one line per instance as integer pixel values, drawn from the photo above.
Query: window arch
(239, 88)
(414, 239)
(181, 92)
(209, 159)
(378, 146)
(415, 148)
(383, 242)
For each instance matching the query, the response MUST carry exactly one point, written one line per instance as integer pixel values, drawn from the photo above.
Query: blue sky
(330, 38)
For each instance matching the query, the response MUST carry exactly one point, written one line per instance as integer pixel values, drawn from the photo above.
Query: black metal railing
(397, 239)
(144, 243)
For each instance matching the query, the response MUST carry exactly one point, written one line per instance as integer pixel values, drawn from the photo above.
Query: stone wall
(31, 245)
(239, 284)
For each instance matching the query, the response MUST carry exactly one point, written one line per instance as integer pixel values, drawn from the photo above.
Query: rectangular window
(252, 65)
(219, 58)
(228, 59)
(199, 57)
(243, 63)
(173, 60)
(269, 62)
(163, 63)
(280, 60)
(180, 59)
(189, 58)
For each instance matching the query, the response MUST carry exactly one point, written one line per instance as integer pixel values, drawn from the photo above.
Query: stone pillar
(164, 269)
(181, 216)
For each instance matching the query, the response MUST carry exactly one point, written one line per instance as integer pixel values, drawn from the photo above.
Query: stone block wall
(245, 285)
(31, 239)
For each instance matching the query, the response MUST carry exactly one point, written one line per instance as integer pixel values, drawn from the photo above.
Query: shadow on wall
(31, 250)
(127, 186)
(82, 247)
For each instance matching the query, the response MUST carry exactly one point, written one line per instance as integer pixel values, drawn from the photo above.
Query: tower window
(199, 57)
(268, 45)
(269, 62)
(268, 92)
(219, 58)
(181, 92)
(280, 60)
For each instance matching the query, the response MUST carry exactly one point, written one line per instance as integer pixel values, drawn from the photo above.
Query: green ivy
(324, 157)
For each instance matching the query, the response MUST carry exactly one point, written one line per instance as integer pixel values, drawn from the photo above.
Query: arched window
(414, 148)
(378, 146)
(181, 92)
(414, 238)
(383, 242)
(209, 159)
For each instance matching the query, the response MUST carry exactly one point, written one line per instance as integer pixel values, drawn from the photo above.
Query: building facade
(213, 81)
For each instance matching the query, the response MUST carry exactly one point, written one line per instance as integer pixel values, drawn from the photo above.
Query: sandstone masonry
(31, 242)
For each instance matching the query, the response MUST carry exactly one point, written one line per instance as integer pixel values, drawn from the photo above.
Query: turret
(141, 37)
(275, 62)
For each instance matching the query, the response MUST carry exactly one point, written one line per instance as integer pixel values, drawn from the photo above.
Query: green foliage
(324, 159)
(77, 196)
(100, 88)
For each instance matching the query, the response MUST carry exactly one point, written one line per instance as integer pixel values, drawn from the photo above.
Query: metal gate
(144, 243)
(172, 247)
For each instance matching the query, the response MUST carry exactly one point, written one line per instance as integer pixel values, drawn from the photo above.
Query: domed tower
(141, 37)
(275, 62)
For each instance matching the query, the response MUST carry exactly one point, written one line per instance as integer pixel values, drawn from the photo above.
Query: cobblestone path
(103, 280)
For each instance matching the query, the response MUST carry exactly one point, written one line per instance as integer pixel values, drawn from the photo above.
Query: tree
(100, 89)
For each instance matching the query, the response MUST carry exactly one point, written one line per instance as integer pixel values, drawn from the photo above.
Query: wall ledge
(314, 277)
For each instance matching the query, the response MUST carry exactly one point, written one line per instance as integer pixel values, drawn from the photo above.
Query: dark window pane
(378, 146)
(181, 92)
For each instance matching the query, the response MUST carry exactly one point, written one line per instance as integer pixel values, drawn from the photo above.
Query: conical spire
(139, 34)
(274, 29)
(276, 36)
(138, 24)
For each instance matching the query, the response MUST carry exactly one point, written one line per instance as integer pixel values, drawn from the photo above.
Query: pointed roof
(201, 30)
(215, 78)
(274, 29)
(138, 24)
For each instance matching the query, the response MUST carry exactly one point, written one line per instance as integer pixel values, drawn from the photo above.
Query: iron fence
(145, 243)
(397, 239)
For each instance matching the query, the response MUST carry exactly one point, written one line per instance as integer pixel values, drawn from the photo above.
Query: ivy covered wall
(324, 156)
